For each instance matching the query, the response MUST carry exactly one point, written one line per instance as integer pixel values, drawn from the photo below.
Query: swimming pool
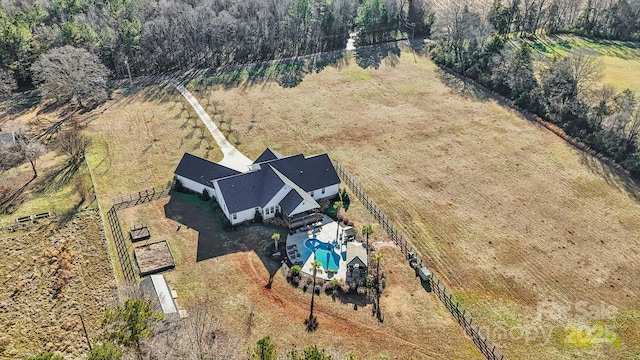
(324, 253)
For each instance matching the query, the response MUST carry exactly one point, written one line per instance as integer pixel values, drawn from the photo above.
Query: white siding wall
(304, 206)
(195, 186)
(220, 199)
(329, 191)
(275, 200)
(242, 216)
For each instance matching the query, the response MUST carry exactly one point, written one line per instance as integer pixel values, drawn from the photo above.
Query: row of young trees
(156, 36)
(611, 19)
(564, 91)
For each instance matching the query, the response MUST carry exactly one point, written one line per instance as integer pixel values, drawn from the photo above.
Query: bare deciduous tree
(25, 148)
(69, 73)
(7, 83)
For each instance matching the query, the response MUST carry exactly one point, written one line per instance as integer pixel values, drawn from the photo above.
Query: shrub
(205, 195)
(177, 186)
(257, 217)
(105, 351)
(295, 270)
(226, 224)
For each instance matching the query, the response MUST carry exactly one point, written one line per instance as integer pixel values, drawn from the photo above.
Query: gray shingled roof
(356, 254)
(202, 170)
(312, 173)
(267, 155)
(290, 202)
(7, 139)
(250, 190)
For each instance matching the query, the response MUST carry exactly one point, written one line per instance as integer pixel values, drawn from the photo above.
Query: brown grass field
(534, 237)
(539, 241)
(35, 316)
(235, 279)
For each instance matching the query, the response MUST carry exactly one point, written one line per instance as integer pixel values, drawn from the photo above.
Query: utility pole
(126, 62)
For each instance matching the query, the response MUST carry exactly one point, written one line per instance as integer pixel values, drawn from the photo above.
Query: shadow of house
(213, 241)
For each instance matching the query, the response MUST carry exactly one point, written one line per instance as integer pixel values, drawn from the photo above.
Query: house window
(323, 190)
(272, 209)
(311, 193)
(235, 216)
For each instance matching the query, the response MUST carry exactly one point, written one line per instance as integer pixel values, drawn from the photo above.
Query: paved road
(233, 158)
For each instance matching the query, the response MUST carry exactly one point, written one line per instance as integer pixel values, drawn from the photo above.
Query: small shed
(7, 139)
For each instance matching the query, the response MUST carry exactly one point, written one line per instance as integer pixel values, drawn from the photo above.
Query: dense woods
(565, 90)
(156, 36)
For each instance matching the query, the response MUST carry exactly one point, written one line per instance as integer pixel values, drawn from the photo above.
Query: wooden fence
(486, 347)
(121, 246)
(142, 197)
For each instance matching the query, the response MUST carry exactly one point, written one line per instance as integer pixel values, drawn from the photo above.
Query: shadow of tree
(464, 88)
(20, 104)
(372, 57)
(56, 178)
(611, 176)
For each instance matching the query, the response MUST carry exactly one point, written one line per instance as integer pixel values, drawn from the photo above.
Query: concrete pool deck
(301, 255)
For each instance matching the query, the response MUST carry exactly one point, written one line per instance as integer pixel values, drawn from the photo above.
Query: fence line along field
(528, 233)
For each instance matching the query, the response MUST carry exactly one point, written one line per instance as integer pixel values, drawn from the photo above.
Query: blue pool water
(324, 253)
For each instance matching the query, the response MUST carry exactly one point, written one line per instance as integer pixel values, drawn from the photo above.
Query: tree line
(564, 90)
(609, 19)
(157, 36)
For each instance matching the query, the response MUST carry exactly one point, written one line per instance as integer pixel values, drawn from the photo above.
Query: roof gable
(356, 254)
(249, 190)
(311, 173)
(267, 155)
(202, 170)
(290, 202)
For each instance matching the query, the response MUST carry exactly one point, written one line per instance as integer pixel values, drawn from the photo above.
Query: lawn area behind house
(231, 269)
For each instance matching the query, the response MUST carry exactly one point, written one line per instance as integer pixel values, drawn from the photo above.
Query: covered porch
(302, 219)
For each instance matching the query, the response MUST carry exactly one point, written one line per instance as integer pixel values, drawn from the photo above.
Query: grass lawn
(231, 269)
(513, 219)
(621, 60)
